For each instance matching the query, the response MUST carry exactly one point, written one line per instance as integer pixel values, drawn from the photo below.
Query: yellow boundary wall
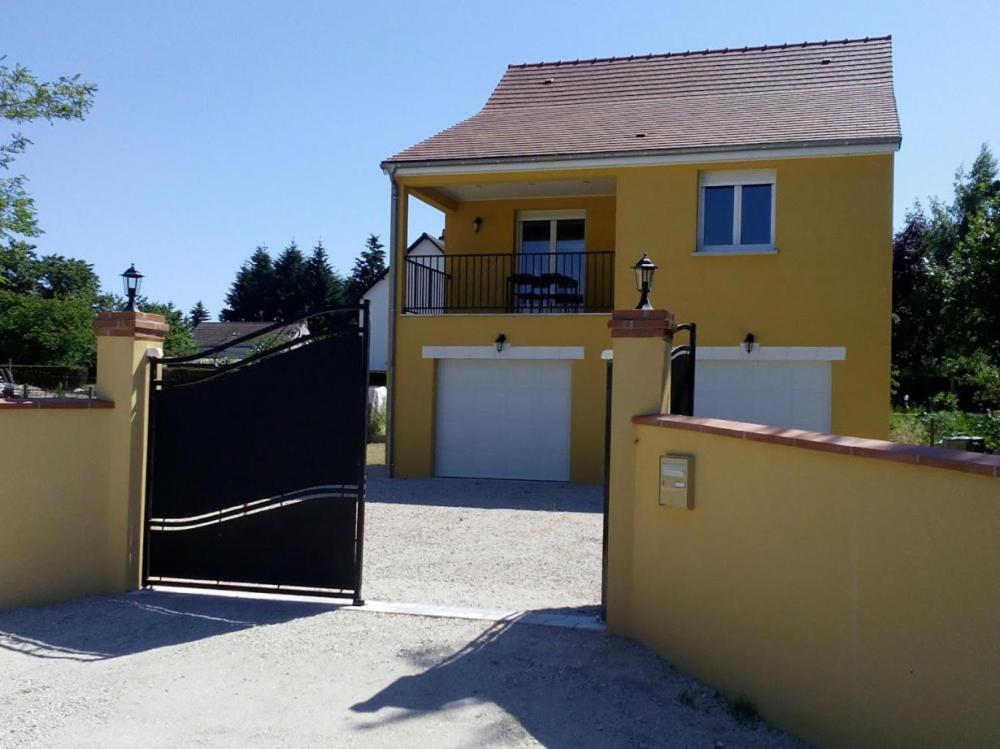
(71, 476)
(847, 587)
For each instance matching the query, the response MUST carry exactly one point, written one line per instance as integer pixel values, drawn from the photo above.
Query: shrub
(928, 427)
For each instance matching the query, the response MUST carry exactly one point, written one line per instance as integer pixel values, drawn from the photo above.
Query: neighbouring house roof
(424, 237)
(210, 335)
(788, 95)
(382, 274)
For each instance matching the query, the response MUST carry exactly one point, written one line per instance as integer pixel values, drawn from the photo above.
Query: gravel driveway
(163, 670)
(482, 543)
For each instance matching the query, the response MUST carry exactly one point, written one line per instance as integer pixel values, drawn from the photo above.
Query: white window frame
(736, 180)
(552, 217)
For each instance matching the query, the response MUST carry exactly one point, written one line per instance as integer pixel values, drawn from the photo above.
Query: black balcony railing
(541, 282)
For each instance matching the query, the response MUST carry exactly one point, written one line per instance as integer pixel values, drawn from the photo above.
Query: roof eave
(832, 147)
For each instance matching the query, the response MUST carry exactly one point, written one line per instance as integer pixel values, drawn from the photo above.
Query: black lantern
(645, 269)
(748, 343)
(131, 280)
(499, 342)
(477, 224)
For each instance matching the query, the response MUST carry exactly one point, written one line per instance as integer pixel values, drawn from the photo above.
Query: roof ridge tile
(708, 51)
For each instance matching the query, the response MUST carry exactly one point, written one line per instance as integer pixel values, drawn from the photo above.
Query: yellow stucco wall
(498, 231)
(54, 509)
(853, 600)
(122, 376)
(71, 486)
(829, 284)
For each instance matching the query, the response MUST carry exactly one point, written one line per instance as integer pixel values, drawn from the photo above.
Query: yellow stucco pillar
(641, 344)
(123, 343)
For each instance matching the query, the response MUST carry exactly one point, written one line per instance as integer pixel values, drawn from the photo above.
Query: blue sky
(223, 125)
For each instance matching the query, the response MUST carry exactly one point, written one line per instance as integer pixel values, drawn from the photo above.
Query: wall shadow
(486, 494)
(99, 628)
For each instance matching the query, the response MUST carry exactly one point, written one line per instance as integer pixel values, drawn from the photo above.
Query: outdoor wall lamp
(645, 269)
(131, 280)
(748, 343)
(499, 342)
(477, 224)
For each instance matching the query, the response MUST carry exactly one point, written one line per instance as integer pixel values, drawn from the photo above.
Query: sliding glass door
(551, 260)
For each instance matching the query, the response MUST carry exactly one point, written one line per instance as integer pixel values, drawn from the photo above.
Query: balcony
(510, 283)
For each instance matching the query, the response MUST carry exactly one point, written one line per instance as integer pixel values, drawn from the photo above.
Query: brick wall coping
(933, 457)
(70, 403)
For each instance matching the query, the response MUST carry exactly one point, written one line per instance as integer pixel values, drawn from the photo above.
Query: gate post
(641, 342)
(123, 343)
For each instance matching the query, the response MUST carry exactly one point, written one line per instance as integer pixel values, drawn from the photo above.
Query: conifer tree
(290, 284)
(324, 288)
(367, 268)
(251, 297)
(198, 315)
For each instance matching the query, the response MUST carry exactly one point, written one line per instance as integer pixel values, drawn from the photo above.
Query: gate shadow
(100, 628)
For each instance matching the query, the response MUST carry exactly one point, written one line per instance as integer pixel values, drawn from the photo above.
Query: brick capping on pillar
(143, 326)
(638, 323)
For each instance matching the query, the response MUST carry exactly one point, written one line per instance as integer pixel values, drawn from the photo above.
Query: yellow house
(759, 180)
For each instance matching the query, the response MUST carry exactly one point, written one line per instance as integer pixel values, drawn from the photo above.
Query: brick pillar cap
(641, 323)
(142, 326)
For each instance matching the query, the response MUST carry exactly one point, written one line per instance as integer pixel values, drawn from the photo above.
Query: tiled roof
(211, 334)
(812, 93)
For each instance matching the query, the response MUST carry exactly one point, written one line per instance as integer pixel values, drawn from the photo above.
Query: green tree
(367, 268)
(198, 315)
(39, 330)
(917, 296)
(60, 276)
(24, 98)
(18, 267)
(46, 307)
(946, 287)
(251, 297)
(178, 341)
(290, 279)
(324, 288)
(975, 189)
(972, 305)
(283, 289)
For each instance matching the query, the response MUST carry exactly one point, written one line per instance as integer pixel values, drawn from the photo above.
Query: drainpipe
(390, 361)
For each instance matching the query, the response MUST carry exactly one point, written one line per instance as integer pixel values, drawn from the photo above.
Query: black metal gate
(256, 460)
(682, 366)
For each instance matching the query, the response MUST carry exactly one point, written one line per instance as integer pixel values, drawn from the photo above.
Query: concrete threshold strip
(565, 621)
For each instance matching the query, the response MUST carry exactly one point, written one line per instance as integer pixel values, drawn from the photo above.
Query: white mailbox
(676, 473)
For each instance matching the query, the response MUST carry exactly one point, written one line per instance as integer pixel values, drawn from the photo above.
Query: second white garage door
(778, 393)
(503, 419)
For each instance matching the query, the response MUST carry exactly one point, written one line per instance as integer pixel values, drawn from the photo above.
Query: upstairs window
(736, 211)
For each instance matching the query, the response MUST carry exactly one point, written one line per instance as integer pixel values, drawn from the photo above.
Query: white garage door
(779, 393)
(503, 419)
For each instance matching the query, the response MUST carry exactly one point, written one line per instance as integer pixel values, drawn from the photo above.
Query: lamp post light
(645, 269)
(131, 280)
